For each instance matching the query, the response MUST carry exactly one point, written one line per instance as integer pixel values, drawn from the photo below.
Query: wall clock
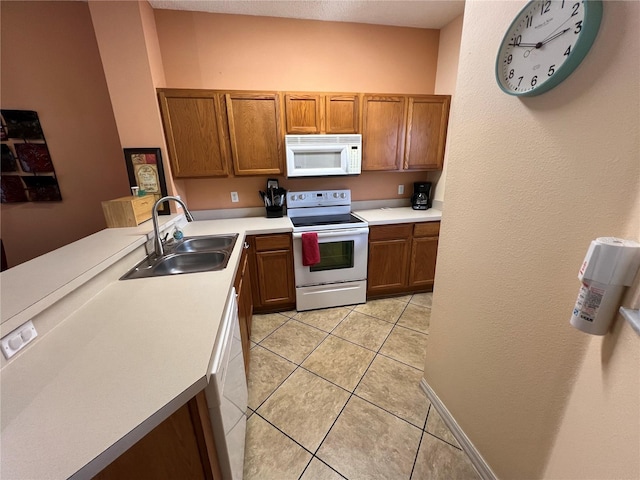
(545, 43)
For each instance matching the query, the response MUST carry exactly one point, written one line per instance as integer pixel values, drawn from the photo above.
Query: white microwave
(323, 155)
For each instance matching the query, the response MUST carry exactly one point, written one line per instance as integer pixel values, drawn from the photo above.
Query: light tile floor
(335, 394)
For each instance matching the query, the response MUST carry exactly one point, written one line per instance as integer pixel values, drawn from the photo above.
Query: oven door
(343, 257)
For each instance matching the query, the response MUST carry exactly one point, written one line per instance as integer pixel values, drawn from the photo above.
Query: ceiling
(406, 13)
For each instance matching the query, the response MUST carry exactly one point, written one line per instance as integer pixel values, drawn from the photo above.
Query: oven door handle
(337, 233)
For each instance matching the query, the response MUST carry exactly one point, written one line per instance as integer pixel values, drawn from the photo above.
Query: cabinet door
(303, 113)
(182, 446)
(423, 261)
(427, 121)
(388, 262)
(342, 113)
(245, 305)
(255, 134)
(389, 249)
(272, 272)
(383, 132)
(274, 277)
(195, 133)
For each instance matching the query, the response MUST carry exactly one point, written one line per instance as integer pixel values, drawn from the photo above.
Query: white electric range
(340, 278)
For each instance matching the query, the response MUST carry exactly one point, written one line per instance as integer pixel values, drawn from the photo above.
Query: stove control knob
(336, 195)
(343, 195)
(292, 198)
(302, 196)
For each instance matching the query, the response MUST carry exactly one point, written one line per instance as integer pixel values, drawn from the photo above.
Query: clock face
(545, 43)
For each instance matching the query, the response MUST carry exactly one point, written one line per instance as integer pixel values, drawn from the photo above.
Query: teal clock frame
(590, 27)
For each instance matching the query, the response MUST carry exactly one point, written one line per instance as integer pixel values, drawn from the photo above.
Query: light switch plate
(18, 339)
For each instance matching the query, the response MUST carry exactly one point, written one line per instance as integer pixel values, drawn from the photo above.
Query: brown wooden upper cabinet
(195, 129)
(405, 132)
(427, 120)
(303, 113)
(383, 127)
(255, 133)
(322, 113)
(342, 113)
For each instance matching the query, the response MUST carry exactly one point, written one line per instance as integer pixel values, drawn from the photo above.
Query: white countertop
(111, 370)
(104, 376)
(383, 216)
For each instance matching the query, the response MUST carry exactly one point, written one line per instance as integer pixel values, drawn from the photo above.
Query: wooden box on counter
(128, 211)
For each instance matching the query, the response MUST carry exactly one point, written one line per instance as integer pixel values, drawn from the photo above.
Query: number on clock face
(539, 42)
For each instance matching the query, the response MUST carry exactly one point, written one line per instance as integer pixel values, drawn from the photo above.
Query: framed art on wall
(27, 168)
(144, 167)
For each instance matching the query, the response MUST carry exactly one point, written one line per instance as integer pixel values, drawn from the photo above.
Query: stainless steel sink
(199, 244)
(190, 255)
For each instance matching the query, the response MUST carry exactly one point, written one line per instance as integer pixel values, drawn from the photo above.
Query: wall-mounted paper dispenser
(609, 266)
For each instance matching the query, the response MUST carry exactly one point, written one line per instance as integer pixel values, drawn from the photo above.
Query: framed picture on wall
(144, 166)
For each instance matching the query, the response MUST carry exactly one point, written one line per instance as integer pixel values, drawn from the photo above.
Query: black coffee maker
(420, 200)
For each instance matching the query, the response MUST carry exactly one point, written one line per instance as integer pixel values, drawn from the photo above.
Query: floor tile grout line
(285, 434)
(324, 463)
(444, 441)
(332, 425)
(404, 363)
(272, 331)
(306, 466)
(424, 428)
(415, 460)
(389, 412)
(275, 389)
(377, 318)
(279, 355)
(325, 379)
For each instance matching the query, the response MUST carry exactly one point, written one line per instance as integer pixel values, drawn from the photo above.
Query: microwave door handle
(338, 233)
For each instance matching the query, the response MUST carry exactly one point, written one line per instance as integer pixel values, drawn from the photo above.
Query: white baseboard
(478, 462)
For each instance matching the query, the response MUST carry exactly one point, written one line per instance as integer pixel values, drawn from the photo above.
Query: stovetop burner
(322, 210)
(317, 220)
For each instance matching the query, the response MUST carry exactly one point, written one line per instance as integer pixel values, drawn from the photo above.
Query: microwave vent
(322, 139)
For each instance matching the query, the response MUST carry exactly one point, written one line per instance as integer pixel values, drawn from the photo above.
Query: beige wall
(530, 183)
(206, 50)
(201, 50)
(447, 73)
(133, 68)
(50, 64)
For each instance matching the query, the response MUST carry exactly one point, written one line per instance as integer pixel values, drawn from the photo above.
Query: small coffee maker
(420, 200)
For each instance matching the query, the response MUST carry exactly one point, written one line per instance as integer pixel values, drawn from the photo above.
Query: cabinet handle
(246, 245)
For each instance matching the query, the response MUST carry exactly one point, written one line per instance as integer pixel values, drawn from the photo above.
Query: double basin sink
(189, 255)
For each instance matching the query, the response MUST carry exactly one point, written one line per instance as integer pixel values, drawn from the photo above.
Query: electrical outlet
(16, 340)
(400, 189)
(234, 197)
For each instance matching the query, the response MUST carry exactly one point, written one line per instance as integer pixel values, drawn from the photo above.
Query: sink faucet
(157, 242)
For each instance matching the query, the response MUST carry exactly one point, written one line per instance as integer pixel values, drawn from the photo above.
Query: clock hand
(547, 40)
(543, 42)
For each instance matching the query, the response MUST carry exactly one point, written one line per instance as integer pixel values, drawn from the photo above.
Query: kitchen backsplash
(215, 193)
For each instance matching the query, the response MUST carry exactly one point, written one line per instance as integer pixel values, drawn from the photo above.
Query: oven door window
(334, 256)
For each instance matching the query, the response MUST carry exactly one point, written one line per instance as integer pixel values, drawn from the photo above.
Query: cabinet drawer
(272, 242)
(389, 232)
(426, 229)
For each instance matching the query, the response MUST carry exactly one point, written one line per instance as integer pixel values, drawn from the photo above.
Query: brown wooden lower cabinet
(181, 447)
(245, 303)
(402, 258)
(272, 280)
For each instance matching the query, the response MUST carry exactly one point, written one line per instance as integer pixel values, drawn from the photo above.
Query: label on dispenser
(588, 302)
